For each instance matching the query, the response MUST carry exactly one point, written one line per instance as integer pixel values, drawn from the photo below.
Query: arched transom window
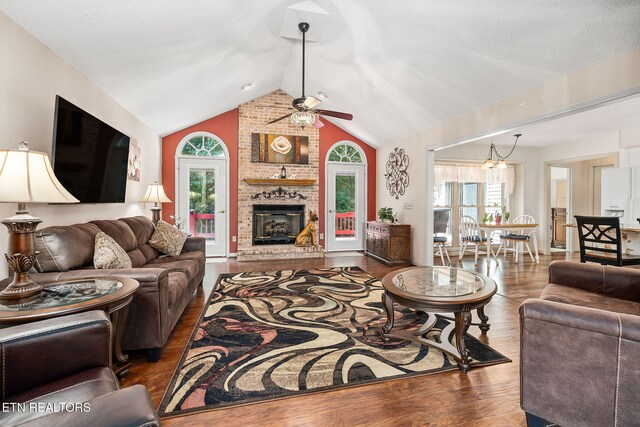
(203, 146)
(345, 153)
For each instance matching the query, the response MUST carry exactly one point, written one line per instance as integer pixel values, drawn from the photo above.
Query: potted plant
(505, 214)
(487, 218)
(385, 214)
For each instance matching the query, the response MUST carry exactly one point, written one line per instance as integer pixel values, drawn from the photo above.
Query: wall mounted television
(89, 156)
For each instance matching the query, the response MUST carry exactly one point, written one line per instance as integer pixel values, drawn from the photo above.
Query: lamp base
(22, 227)
(155, 211)
(22, 286)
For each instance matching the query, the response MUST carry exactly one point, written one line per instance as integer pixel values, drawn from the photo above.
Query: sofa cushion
(186, 266)
(64, 248)
(193, 255)
(108, 254)
(148, 252)
(168, 239)
(142, 228)
(119, 231)
(178, 284)
(569, 295)
(137, 258)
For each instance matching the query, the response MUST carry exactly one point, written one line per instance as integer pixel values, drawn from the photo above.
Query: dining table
(488, 230)
(630, 236)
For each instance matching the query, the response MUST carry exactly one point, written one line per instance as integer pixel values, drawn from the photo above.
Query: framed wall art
(133, 165)
(276, 148)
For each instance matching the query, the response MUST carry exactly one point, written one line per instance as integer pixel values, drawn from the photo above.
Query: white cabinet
(620, 194)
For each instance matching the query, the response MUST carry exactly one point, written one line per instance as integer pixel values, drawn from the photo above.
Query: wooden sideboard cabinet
(388, 243)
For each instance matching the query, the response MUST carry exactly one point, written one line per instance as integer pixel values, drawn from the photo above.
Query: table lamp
(26, 177)
(155, 194)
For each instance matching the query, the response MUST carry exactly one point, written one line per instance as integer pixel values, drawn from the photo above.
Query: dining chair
(440, 223)
(519, 238)
(601, 241)
(470, 235)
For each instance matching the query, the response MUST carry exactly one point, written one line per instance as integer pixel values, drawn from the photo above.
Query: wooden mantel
(280, 181)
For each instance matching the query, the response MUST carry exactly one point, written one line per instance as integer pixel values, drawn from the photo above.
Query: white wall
(414, 195)
(30, 78)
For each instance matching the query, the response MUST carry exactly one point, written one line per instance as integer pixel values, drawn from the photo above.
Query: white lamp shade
(501, 164)
(155, 194)
(488, 164)
(27, 177)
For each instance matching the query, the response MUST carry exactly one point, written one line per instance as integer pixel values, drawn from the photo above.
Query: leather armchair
(580, 347)
(58, 372)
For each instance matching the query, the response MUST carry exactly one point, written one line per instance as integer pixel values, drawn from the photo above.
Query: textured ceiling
(399, 66)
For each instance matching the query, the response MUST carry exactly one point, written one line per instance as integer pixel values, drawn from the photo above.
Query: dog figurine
(307, 236)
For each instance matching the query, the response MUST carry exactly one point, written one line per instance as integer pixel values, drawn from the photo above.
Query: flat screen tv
(89, 156)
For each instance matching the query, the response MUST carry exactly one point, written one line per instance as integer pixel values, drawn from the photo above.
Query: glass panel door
(202, 201)
(345, 207)
(345, 224)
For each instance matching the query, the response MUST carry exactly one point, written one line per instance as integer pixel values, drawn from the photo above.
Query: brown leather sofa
(166, 283)
(57, 372)
(580, 348)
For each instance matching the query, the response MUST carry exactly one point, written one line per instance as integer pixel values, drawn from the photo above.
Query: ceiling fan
(305, 114)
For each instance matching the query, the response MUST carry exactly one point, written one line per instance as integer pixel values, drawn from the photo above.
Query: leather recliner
(580, 348)
(57, 372)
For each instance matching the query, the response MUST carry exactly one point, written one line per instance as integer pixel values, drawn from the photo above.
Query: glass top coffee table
(431, 290)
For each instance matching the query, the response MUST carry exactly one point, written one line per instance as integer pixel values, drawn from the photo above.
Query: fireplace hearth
(277, 224)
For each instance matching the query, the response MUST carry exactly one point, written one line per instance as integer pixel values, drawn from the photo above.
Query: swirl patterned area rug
(277, 334)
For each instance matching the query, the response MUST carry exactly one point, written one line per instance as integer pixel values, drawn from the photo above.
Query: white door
(202, 201)
(346, 206)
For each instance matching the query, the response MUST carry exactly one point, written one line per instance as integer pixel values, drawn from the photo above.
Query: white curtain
(470, 172)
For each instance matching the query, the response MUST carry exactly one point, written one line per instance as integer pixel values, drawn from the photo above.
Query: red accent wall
(329, 135)
(224, 126)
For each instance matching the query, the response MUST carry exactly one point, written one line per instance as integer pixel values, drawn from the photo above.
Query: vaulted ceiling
(399, 66)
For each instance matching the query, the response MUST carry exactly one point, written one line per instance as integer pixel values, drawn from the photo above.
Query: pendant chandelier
(500, 161)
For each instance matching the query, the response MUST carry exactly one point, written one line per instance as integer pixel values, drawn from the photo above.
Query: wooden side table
(110, 294)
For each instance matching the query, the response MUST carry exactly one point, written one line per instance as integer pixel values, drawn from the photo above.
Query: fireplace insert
(277, 224)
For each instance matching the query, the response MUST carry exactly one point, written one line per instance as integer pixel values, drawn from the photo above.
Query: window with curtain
(468, 189)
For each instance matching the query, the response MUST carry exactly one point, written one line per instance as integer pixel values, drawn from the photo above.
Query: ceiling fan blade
(344, 116)
(279, 118)
(311, 102)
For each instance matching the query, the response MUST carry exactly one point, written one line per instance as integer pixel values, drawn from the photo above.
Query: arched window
(346, 152)
(203, 145)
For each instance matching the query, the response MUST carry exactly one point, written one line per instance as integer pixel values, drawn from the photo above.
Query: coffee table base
(462, 321)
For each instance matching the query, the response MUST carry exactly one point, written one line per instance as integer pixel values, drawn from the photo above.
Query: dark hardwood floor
(487, 396)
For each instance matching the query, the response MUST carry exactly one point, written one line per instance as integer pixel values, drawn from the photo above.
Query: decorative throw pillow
(108, 254)
(167, 239)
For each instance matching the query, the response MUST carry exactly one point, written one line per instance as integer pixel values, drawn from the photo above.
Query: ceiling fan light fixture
(501, 164)
(306, 114)
(303, 118)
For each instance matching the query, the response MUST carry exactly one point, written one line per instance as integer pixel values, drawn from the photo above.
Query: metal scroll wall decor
(397, 176)
(279, 194)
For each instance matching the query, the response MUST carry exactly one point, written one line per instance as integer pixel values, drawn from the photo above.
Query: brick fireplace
(253, 118)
